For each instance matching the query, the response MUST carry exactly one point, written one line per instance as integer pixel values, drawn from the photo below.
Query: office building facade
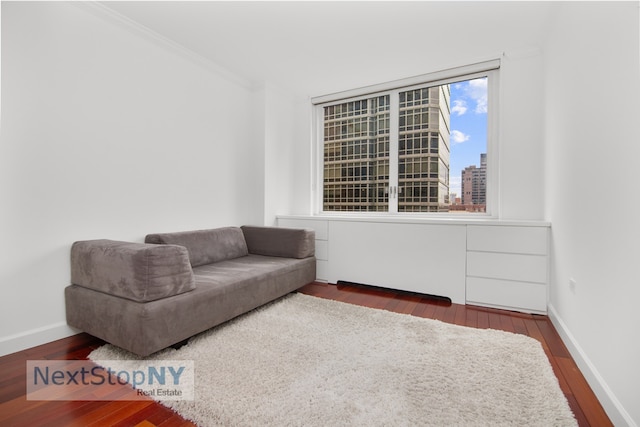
(358, 157)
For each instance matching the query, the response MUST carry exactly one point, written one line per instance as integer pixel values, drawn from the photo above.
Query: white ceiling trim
(103, 11)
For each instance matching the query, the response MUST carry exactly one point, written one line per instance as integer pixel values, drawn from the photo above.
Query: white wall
(106, 134)
(283, 174)
(287, 151)
(592, 135)
(520, 152)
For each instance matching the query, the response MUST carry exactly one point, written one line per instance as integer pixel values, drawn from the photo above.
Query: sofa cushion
(281, 242)
(136, 271)
(206, 246)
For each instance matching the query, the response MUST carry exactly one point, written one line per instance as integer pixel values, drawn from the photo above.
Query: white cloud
(480, 83)
(477, 91)
(481, 106)
(459, 107)
(458, 137)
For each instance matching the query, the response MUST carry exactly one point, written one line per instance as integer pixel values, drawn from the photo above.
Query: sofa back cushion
(135, 271)
(206, 246)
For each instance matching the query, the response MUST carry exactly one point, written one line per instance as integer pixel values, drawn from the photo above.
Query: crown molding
(103, 11)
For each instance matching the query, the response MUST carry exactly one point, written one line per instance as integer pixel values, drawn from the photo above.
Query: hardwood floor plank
(392, 304)
(18, 411)
(494, 320)
(554, 343)
(577, 411)
(471, 317)
(583, 393)
(439, 312)
(98, 416)
(449, 313)
(14, 385)
(430, 309)
(483, 319)
(160, 415)
(461, 316)
(534, 332)
(176, 421)
(53, 414)
(505, 323)
(411, 304)
(562, 381)
(121, 413)
(419, 309)
(518, 325)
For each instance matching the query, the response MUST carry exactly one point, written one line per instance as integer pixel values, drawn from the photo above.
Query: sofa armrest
(136, 271)
(281, 242)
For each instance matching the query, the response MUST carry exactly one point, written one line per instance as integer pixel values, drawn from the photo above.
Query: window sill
(441, 219)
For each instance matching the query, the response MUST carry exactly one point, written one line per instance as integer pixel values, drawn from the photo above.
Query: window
(410, 147)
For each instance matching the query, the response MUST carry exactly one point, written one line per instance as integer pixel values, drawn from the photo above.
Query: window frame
(489, 69)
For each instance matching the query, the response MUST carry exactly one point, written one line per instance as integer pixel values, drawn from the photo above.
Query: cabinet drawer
(509, 239)
(525, 268)
(531, 297)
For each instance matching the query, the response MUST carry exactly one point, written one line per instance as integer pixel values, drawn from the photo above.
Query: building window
(422, 147)
(356, 155)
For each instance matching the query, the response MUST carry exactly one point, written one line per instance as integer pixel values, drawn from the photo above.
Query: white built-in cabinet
(492, 263)
(507, 267)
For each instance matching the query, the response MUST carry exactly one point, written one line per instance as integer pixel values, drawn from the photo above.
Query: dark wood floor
(15, 410)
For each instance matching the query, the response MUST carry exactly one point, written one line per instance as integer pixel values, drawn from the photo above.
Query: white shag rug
(307, 361)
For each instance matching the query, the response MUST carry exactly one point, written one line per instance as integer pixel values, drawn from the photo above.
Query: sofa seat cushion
(250, 267)
(242, 284)
(136, 271)
(206, 246)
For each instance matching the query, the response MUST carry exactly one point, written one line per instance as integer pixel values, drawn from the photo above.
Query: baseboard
(35, 337)
(612, 406)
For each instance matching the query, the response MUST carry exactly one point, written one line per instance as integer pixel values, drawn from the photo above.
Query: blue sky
(468, 127)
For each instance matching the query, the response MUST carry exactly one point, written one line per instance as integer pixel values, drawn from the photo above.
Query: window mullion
(394, 105)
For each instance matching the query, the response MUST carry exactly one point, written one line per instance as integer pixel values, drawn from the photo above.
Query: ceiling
(323, 47)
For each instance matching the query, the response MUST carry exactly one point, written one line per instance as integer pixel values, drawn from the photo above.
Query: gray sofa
(144, 297)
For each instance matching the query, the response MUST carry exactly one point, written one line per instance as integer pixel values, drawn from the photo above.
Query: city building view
(357, 153)
(474, 188)
(423, 152)
(359, 156)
